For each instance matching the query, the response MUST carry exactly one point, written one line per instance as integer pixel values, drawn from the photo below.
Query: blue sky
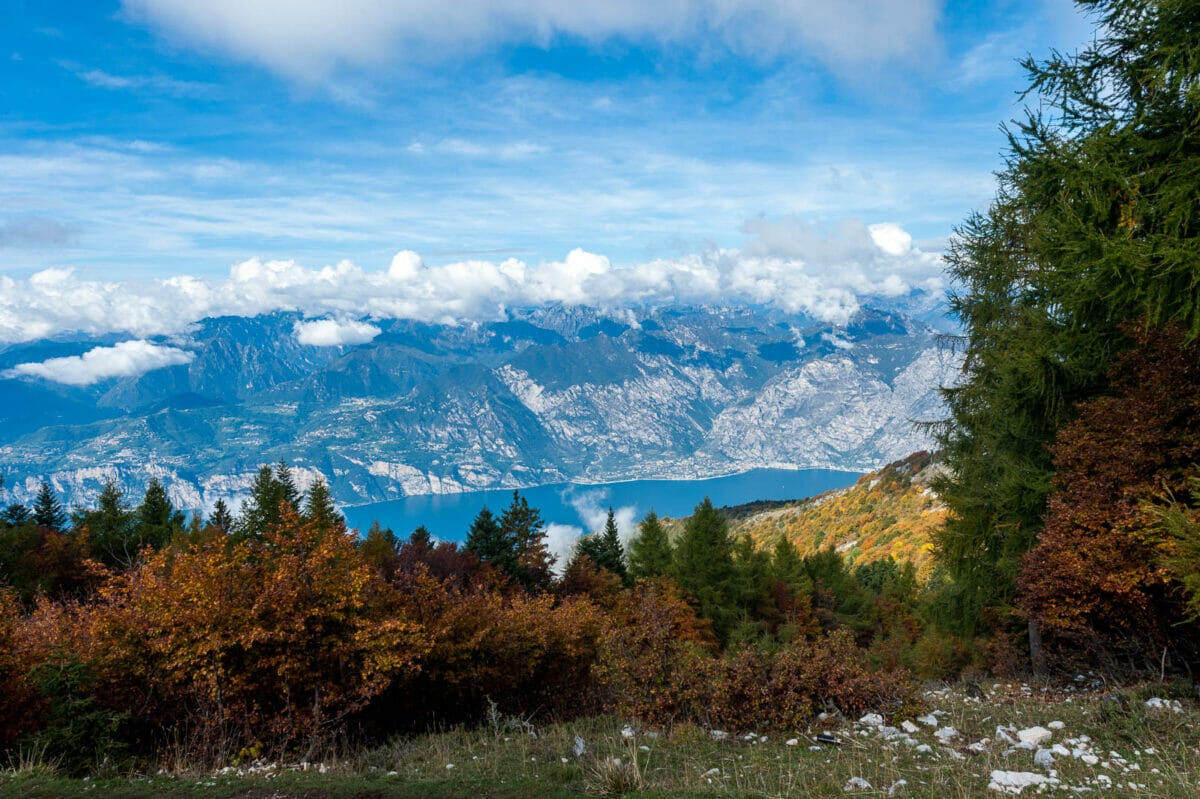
(149, 139)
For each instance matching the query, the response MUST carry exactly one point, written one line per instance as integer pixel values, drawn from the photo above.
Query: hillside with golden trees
(888, 513)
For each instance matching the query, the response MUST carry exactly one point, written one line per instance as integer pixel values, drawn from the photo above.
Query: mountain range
(545, 395)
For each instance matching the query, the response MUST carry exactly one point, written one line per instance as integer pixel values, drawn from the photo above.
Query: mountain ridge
(544, 396)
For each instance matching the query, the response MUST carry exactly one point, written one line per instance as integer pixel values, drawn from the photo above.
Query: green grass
(506, 761)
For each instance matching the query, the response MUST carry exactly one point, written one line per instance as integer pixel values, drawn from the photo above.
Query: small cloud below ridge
(334, 332)
(126, 359)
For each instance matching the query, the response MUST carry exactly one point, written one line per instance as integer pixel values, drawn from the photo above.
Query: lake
(570, 509)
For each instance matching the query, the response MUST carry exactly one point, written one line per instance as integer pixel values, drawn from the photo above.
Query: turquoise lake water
(570, 508)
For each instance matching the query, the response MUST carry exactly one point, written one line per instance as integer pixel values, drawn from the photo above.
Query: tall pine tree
(523, 526)
(1093, 229)
(110, 526)
(47, 510)
(650, 553)
(704, 566)
(486, 541)
(319, 508)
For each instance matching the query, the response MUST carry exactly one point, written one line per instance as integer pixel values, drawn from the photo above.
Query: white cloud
(126, 359)
(787, 263)
(560, 540)
(592, 507)
(334, 332)
(307, 39)
(837, 341)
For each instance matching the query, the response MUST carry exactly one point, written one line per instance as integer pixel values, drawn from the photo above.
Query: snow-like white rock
(929, 720)
(909, 727)
(856, 784)
(871, 720)
(946, 733)
(1014, 782)
(1043, 758)
(1158, 703)
(1035, 735)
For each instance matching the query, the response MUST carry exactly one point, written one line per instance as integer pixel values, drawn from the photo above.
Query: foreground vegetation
(1117, 746)
(133, 641)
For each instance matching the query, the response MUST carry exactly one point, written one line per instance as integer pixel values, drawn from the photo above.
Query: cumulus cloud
(334, 332)
(126, 359)
(561, 540)
(787, 263)
(306, 39)
(592, 507)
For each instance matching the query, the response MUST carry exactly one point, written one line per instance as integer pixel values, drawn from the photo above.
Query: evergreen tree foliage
(380, 549)
(488, 542)
(271, 496)
(220, 518)
(703, 566)
(604, 549)
(157, 521)
(752, 591)
(319, 508)
(47, 510)
(15, 514)
(1094, 226)
(839, 600)
(650, 553)
(787, 567)
(286, 486)
(523, 527)
(110, 526)
(421, 537)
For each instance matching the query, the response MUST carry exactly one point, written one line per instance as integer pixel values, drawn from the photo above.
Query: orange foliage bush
(18, 699)
(659, 669)
(650, 664)
(1095, 582)
(524, 652)
(271, 640)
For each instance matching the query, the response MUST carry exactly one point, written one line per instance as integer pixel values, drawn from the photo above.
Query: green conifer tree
(156, 520)
(47, 510)
(650, 553)
(611, 548)
(704, 566)
(421, 538)
(110, 526)
(523, 526)
(320, 510)
(488, 542)
(220, 518)
(1093, 230)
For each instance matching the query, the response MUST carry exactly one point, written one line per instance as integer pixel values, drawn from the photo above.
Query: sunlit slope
(888, 513)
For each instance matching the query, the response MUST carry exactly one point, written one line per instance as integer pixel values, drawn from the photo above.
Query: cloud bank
(334, 332)
(126, 359)
(787, 263)
(307, 39)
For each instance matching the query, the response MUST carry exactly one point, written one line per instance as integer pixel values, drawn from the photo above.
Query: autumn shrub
(271, 640)
(19, 701)
(783, 690)
(653, 661)
(1097, 583)
(662, 677)
(525, 653)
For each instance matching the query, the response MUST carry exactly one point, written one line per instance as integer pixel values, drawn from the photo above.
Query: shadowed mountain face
(547, 395)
